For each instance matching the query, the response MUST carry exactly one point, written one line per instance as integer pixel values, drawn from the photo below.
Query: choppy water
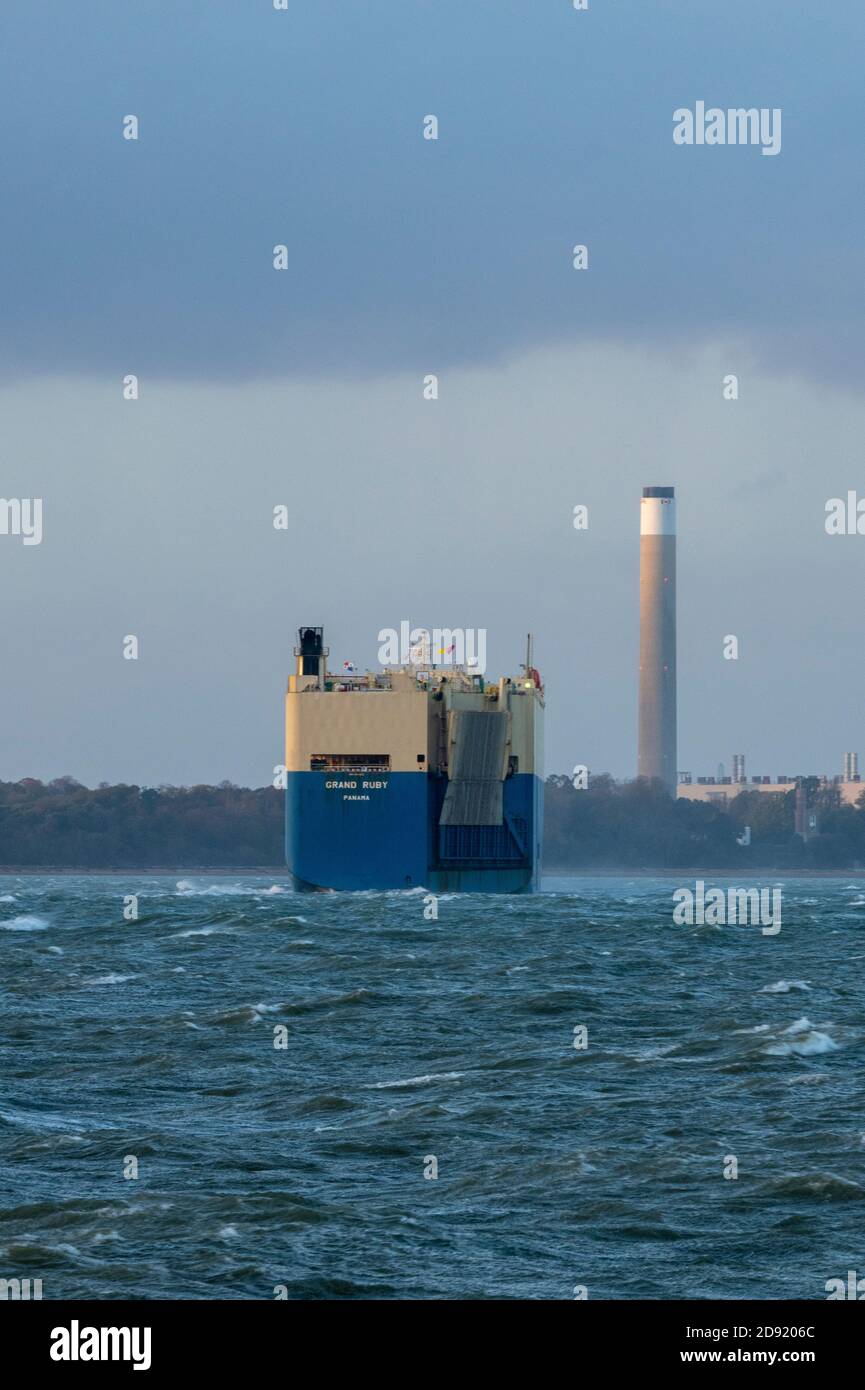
(409, 1038)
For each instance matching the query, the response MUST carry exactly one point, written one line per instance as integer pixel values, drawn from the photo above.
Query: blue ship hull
(367, 833)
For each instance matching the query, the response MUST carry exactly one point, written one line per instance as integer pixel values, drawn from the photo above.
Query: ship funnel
(311, 653)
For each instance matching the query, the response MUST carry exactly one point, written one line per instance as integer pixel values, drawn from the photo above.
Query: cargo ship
(416, 776)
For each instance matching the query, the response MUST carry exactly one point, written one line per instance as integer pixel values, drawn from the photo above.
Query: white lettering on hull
(352, 786)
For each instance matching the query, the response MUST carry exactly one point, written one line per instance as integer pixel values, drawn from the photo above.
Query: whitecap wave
(25, 923)
(185, 888)
(654, 1054)
(801, 1039)
(205, 931)
(784, 986)
(414, 1081)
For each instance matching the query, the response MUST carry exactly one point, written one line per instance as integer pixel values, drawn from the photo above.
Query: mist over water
(408, 1038)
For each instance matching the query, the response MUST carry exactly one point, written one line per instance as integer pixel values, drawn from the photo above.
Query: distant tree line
(66, 825)
(638, 824)
(608, 825)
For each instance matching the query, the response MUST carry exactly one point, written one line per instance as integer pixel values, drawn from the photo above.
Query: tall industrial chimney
(657, 735)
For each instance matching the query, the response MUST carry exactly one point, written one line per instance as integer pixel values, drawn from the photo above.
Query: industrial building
(721, 790)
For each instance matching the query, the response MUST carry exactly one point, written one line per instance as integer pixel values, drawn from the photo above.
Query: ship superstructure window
(349, 762)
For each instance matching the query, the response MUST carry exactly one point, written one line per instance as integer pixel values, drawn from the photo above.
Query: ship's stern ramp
(473, 824)
(477, 747)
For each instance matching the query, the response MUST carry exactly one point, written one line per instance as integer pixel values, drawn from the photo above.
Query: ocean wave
(186, 889)
(656, 1053)
(25, 923)
(328, 1001)
(326, 1104)
(784, 986)
(829, 1187)
(36, 1120)
(246, 1013)
(112, 979)
(204, 931)
(801, 1039)
(414, 1081)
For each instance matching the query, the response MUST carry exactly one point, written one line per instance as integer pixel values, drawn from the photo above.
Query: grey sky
(303, 127)
(408, 257)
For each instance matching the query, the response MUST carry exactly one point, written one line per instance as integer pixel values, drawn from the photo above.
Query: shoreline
(19, 871)
(758, 872)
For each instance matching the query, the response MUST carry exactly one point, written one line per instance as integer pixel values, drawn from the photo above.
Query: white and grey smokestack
(657, 754)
